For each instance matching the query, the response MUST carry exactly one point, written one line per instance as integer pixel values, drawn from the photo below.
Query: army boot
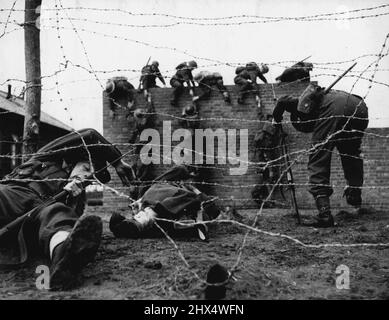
(353, 196)
(324, 219)
(79, 248)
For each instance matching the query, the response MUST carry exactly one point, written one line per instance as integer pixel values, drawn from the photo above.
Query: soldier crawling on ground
(173, 197)
(54, 228)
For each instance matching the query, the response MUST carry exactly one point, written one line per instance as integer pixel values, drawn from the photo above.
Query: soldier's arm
(285, 103)
(160, 77)
(77, 141)
(81, 171)
(262, 77)
(191, 82)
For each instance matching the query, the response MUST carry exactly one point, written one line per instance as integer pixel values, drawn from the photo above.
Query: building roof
(17, 106)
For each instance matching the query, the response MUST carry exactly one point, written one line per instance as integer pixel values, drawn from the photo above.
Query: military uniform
(337, 119)
(207, 80)
(149, 75)
(243, 80)
(120, 92)
(299, 71)
(182, 75)
(31, 186)
(255, 72)
(169, 198)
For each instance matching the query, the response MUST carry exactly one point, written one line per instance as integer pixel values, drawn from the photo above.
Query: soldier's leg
(69, 242)
(352, 163)
(205, 91)
(178, 89)
(244, 88)
(223, 90)
(145, 86)
(319, 167)
(15, 201)
(349, 146)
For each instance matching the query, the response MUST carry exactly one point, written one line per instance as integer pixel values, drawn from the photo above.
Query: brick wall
(245, 116)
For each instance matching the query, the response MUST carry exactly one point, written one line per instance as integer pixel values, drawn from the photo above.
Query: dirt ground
(270, 268)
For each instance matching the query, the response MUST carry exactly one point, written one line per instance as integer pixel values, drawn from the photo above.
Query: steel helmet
(155, 63)
(308, 66)
(189, 110)
(251, 65)
(198, 77)
(239, 70)
(192, 64)
(217, 75)
(264, 68)
(110, 86)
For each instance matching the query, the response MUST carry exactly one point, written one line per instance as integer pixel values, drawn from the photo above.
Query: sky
(119, 36)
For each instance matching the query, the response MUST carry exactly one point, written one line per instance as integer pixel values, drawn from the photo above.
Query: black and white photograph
(203, 151)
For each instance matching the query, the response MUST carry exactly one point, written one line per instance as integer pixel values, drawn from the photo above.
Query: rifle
(304, 59)
(15, 224)
(289, 174)
(337, 80)
(19, 221)
(140, 80)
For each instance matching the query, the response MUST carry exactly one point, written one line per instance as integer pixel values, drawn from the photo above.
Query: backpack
(309, 101)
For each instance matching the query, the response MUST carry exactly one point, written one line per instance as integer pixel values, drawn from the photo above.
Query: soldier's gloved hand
(74, 187)
(125, 172)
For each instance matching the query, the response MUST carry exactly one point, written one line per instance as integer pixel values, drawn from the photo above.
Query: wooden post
(33, 76)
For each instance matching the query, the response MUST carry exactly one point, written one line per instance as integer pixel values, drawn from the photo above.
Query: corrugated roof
(16, 105)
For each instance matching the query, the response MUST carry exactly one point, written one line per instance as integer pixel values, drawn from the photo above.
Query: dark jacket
(152, 71)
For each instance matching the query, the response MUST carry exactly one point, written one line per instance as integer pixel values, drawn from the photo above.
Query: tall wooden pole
(33, 76)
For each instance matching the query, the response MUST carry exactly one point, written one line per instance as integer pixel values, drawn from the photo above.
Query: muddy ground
(270, 268)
